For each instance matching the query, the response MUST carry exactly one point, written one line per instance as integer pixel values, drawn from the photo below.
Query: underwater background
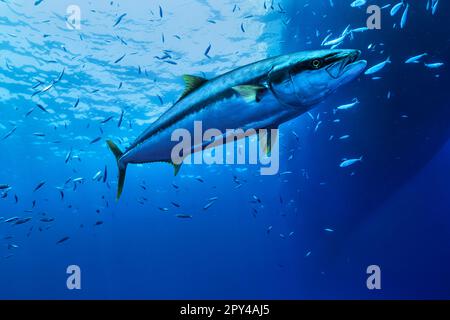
(309, 232)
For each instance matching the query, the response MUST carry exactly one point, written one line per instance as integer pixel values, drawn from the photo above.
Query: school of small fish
(33, 220)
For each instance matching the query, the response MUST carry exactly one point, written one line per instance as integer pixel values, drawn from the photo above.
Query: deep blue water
(390, 210)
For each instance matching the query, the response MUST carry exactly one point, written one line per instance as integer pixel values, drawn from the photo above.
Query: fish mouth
(345, 64)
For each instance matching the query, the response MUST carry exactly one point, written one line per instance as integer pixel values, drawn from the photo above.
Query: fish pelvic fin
(176, 168)
(122, 167)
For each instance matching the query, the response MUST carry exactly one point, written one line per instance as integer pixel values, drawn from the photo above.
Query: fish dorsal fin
(249, 93)
(192, 83)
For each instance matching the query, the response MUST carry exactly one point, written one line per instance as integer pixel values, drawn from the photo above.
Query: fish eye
(316, 64)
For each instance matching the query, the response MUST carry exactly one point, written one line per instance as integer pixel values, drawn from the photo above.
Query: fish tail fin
(389, 60)
(122, 167)
(361, 158)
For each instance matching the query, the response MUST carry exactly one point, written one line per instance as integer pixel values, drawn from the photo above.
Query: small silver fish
(349, 162)
(416, 59)
(349, 105)
(434, 65)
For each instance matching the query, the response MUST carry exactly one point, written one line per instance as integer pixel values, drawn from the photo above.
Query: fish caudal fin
(122, 167)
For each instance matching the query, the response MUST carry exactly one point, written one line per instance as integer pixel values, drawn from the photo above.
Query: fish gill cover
(362, 180)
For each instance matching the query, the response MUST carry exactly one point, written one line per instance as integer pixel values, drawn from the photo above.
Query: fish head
(304, 79)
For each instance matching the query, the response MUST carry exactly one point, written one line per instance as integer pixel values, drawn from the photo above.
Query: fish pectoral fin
(249, 93)
(192, 83)
(267, 138)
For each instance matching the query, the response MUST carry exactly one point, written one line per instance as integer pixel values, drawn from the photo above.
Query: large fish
(261, 95)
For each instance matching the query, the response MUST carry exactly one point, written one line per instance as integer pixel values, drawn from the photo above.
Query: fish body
(64, 239)
(120, 119)
(434, 6)
(68, 156)
(208, 205)
(39, 185)
(184, 216)
(119, 19)
(22, 220)
(434, 65)
(263, 94)
(95, 140)
(358, 3)
(13, 219)
(349, 105)
(97, 176)
(404, 17)
(396, 8)
(105, 175)
(6, 136)
(337, 41)
(349, 162)
(357, 30)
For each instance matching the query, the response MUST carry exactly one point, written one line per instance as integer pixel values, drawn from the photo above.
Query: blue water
(390, 210)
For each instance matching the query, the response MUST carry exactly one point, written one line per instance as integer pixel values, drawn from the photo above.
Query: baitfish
(378, 67)
(416, 59)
